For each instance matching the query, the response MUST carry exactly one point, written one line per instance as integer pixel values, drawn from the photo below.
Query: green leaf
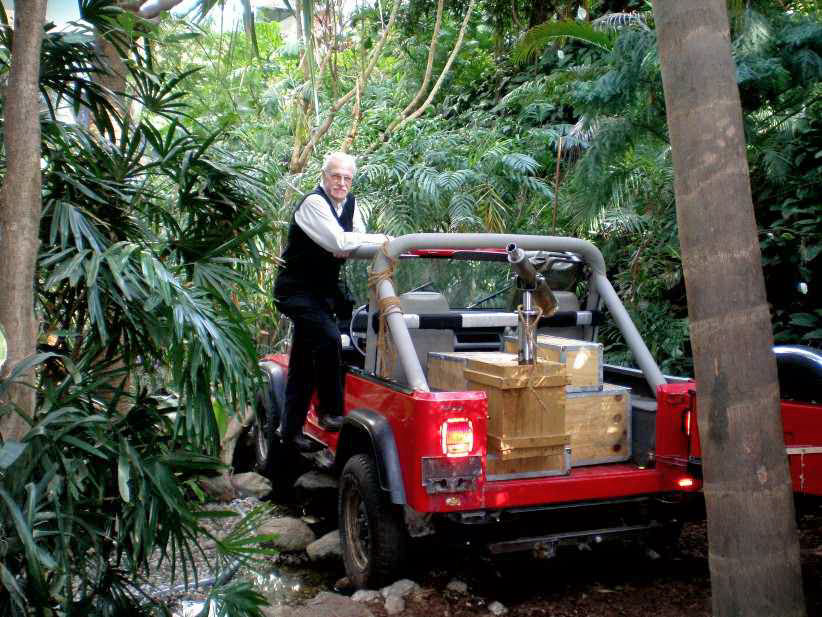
(10, 451)
(804, 319)
(124, 475)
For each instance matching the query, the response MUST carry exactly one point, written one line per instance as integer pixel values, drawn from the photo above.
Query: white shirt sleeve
(315, 218)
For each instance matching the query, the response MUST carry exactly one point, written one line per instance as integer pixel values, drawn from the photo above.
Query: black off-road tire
(264, 438)
(272, 459)
(372, 529)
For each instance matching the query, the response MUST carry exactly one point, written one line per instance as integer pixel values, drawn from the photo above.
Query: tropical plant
(149, 247)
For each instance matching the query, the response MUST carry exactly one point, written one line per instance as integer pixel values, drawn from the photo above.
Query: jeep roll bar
(600, 290)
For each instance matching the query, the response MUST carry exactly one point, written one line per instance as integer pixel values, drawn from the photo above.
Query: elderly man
(325, 228)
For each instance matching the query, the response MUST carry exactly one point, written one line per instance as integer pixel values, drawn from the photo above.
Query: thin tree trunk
(446, 68)
(356, 118)
(429, 67)
(753, 546)
(21, 206)
(319, 132)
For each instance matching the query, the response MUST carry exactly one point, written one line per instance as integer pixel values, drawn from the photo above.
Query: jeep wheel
(372, 530)
(263, 432)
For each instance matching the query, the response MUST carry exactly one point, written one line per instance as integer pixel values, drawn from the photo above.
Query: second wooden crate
(599, 424)
(582, 359)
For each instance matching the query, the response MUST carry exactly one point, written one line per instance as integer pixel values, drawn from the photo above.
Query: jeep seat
(427, 303)
(566, 301)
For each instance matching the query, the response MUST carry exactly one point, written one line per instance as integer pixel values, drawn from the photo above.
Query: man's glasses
(341, 178)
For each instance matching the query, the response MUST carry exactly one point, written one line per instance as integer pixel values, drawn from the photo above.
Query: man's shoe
(331, 423)
(301, 443)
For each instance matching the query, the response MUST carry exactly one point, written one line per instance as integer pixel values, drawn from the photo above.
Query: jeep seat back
(425, 302)
(566, 301)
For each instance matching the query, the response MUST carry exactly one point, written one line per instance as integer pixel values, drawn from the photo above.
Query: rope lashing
(385, 306)
(529, 328)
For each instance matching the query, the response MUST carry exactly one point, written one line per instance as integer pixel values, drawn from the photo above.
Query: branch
(429, 67)
(321, 130)
(445, 70)
(356, 117)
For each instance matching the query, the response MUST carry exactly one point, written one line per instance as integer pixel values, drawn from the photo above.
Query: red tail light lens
(687, 422)
(457, 437)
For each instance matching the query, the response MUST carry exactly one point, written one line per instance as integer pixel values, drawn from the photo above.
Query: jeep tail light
(457, 437)
(687, 422)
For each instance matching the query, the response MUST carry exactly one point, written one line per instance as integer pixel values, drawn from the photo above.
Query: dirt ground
(609, 582)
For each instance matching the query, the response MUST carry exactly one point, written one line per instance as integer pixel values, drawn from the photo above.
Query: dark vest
(309, 268)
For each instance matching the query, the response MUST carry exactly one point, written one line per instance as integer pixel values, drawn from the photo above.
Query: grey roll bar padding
(601, 287)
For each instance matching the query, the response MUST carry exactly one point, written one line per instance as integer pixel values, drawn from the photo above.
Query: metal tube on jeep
(632, 336)
(525, 270)
(589, 252)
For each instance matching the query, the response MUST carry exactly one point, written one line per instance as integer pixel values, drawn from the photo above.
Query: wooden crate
(599, 424)
(526, 407)
(582, 359)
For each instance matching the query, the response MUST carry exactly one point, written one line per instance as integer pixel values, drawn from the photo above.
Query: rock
(277, 611)
(394, 604)
(316, 481)
(457, 586)
(327, 603)
(401, 588)
(326, 547)
(366, 595)
(497, 608)
(251, 484)
(291, 533)
(234, 430)
(218, 488)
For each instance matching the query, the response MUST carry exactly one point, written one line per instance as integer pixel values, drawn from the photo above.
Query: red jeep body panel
(415, 418)
(802, 427)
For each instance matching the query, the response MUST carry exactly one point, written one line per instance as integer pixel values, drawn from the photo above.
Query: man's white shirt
(315, 219)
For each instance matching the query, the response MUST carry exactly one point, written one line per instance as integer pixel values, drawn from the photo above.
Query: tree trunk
(754, 551)
(21, 204)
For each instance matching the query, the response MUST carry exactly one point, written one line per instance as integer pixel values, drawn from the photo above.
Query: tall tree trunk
(753, 545)
(21, 205)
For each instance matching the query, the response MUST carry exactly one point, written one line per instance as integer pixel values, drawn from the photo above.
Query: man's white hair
(341, 157)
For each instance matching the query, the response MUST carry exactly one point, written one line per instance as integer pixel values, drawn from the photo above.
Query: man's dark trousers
(315, 360)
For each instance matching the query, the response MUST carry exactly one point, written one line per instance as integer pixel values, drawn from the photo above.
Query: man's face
(337, 179)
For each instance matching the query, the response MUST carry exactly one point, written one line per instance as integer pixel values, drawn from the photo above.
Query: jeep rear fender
(366, 431)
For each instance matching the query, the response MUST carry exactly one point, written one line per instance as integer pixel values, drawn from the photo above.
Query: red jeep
(413, 459)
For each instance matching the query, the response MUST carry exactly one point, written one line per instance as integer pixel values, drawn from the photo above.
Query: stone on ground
(327, 603)
(251, 484)
(291, 533)
(457, 586)
(315, 481)
(218, 488)
(235, 428)
(366, 595)
(394, 604)
(326, 547)
(497, 608)
(401, 588)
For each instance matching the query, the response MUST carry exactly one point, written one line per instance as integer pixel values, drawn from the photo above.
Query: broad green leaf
(124, 475)
(10, 451)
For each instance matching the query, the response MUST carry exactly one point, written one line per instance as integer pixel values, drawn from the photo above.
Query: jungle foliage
(150, 238)
(163, 219)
